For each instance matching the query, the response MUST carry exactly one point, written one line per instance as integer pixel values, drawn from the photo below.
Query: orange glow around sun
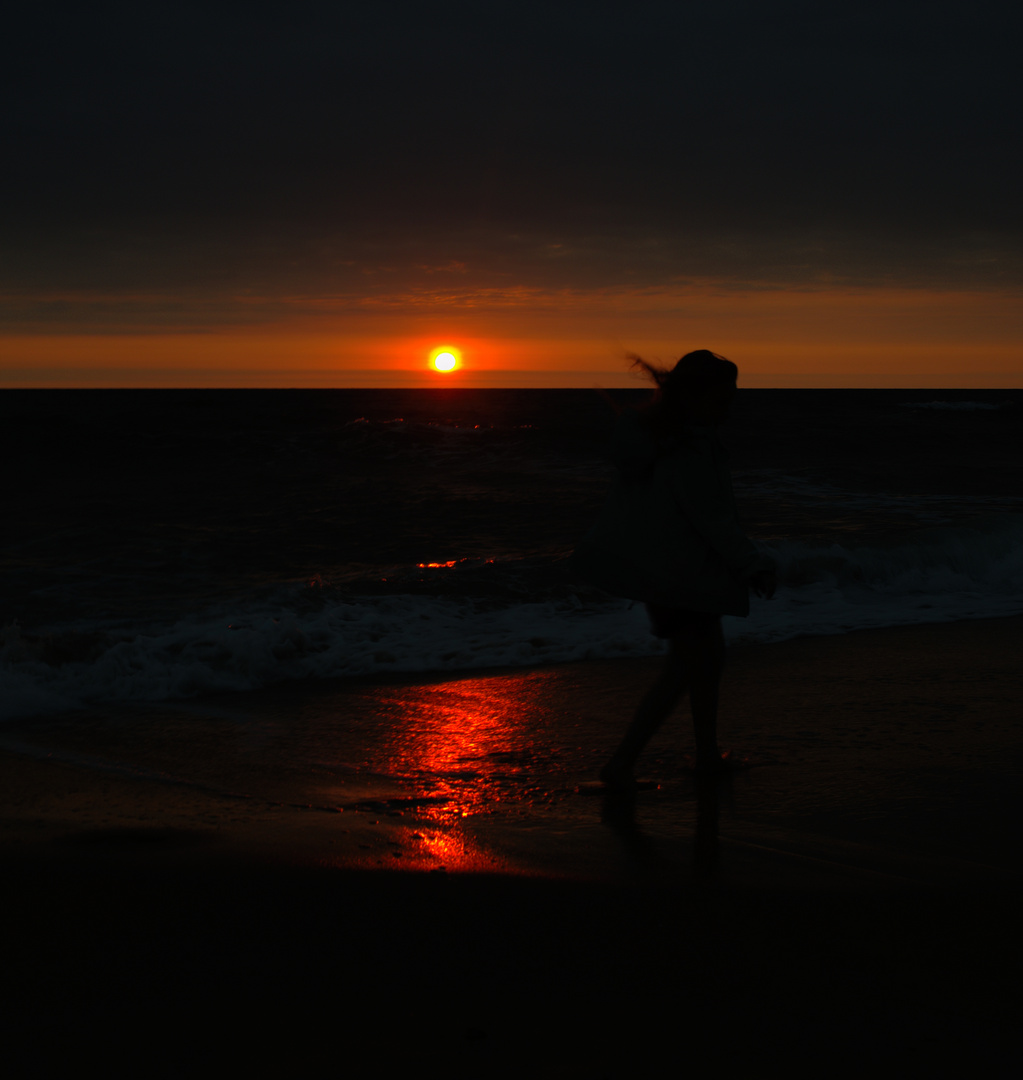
(445, 358)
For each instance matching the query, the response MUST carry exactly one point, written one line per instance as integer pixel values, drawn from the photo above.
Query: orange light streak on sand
(453, 850)
(466, 748)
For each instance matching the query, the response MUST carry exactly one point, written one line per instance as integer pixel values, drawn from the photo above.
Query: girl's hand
(764, 583)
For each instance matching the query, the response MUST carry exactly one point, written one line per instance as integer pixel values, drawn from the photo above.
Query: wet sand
(406, 869)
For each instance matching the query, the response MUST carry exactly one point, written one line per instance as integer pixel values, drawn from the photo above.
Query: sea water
(158, 545)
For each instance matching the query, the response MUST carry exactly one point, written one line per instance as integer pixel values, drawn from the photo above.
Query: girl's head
(697, 390)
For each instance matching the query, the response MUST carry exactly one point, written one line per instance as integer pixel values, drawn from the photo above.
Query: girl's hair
(693, 374)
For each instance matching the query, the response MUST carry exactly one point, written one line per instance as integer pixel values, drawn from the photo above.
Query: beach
(385, 393)
(228, 891)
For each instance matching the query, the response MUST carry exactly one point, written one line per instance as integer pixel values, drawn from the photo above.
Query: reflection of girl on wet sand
(669, 536)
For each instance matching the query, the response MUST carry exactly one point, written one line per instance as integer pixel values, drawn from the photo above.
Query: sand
(404, 870)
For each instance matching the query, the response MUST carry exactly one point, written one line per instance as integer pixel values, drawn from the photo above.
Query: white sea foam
(946, 574)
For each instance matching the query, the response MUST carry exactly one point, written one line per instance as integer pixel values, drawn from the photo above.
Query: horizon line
(75, 378)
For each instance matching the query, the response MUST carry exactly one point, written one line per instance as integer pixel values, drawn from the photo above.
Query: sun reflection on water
(465, 749)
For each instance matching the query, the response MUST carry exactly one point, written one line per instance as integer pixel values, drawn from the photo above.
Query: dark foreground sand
(273, 880)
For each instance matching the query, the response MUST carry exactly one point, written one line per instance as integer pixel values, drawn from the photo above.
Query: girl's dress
(669, 534)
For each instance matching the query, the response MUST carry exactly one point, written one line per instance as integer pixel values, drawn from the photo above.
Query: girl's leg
(704, 654)
(654, 709)
(694, 663)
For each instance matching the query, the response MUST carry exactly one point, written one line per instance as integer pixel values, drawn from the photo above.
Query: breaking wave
(302, 631)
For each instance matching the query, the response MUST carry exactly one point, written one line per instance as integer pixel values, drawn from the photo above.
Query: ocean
(158, 545)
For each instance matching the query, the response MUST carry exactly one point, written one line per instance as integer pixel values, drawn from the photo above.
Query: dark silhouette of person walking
(669, 535)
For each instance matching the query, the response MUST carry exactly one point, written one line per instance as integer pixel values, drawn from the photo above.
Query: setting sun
(445, 358)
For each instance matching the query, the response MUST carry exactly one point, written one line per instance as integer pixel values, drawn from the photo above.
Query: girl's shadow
(618, 812)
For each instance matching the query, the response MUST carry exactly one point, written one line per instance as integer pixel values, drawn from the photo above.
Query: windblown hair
(695, 372)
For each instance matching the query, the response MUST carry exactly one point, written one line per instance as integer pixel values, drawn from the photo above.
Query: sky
(312, 194)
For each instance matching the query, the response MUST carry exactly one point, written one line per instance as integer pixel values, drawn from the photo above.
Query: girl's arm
(702, 490)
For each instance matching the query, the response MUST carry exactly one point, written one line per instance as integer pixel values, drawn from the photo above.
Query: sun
(445, 358)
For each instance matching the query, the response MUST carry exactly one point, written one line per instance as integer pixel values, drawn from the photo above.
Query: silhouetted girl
(669, 536)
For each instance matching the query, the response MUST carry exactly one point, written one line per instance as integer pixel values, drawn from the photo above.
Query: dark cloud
(311, 145)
